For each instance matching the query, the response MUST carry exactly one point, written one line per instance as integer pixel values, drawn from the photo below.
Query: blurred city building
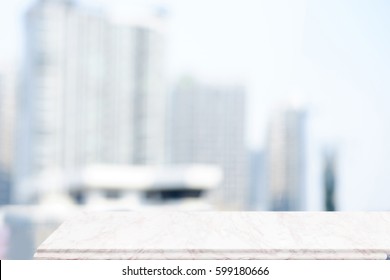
(8, 87)
(93, 92)
(330, 179)
(286, 159)
(257, 197)
(207, 125)
(137, 92)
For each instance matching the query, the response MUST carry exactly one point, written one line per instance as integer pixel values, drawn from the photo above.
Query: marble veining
(221, 235)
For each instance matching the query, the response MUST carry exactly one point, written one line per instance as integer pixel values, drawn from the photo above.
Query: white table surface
(221, 235)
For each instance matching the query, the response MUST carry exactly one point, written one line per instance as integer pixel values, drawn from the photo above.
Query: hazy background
(333, 55)
(266, 105)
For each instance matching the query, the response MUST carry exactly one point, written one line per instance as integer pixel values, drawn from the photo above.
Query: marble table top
(221, 235)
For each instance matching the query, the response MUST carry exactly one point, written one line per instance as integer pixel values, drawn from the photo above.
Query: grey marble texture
(221, 235)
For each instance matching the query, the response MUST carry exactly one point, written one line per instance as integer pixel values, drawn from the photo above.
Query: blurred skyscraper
(330, 180)
(138, 95)
(61, 102)
(286, 160)
(257, 196)
(92, 92)
(207, 126)
(8, 87)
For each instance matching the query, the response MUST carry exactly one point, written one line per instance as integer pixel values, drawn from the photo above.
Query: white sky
(334, 55)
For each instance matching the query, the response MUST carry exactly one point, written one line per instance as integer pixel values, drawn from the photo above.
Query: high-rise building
(330, 180)
(138, 106)
(257, 194)
(207, 126)
(61, 106)
(286, 160)
(8, 87)
(92, 93)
